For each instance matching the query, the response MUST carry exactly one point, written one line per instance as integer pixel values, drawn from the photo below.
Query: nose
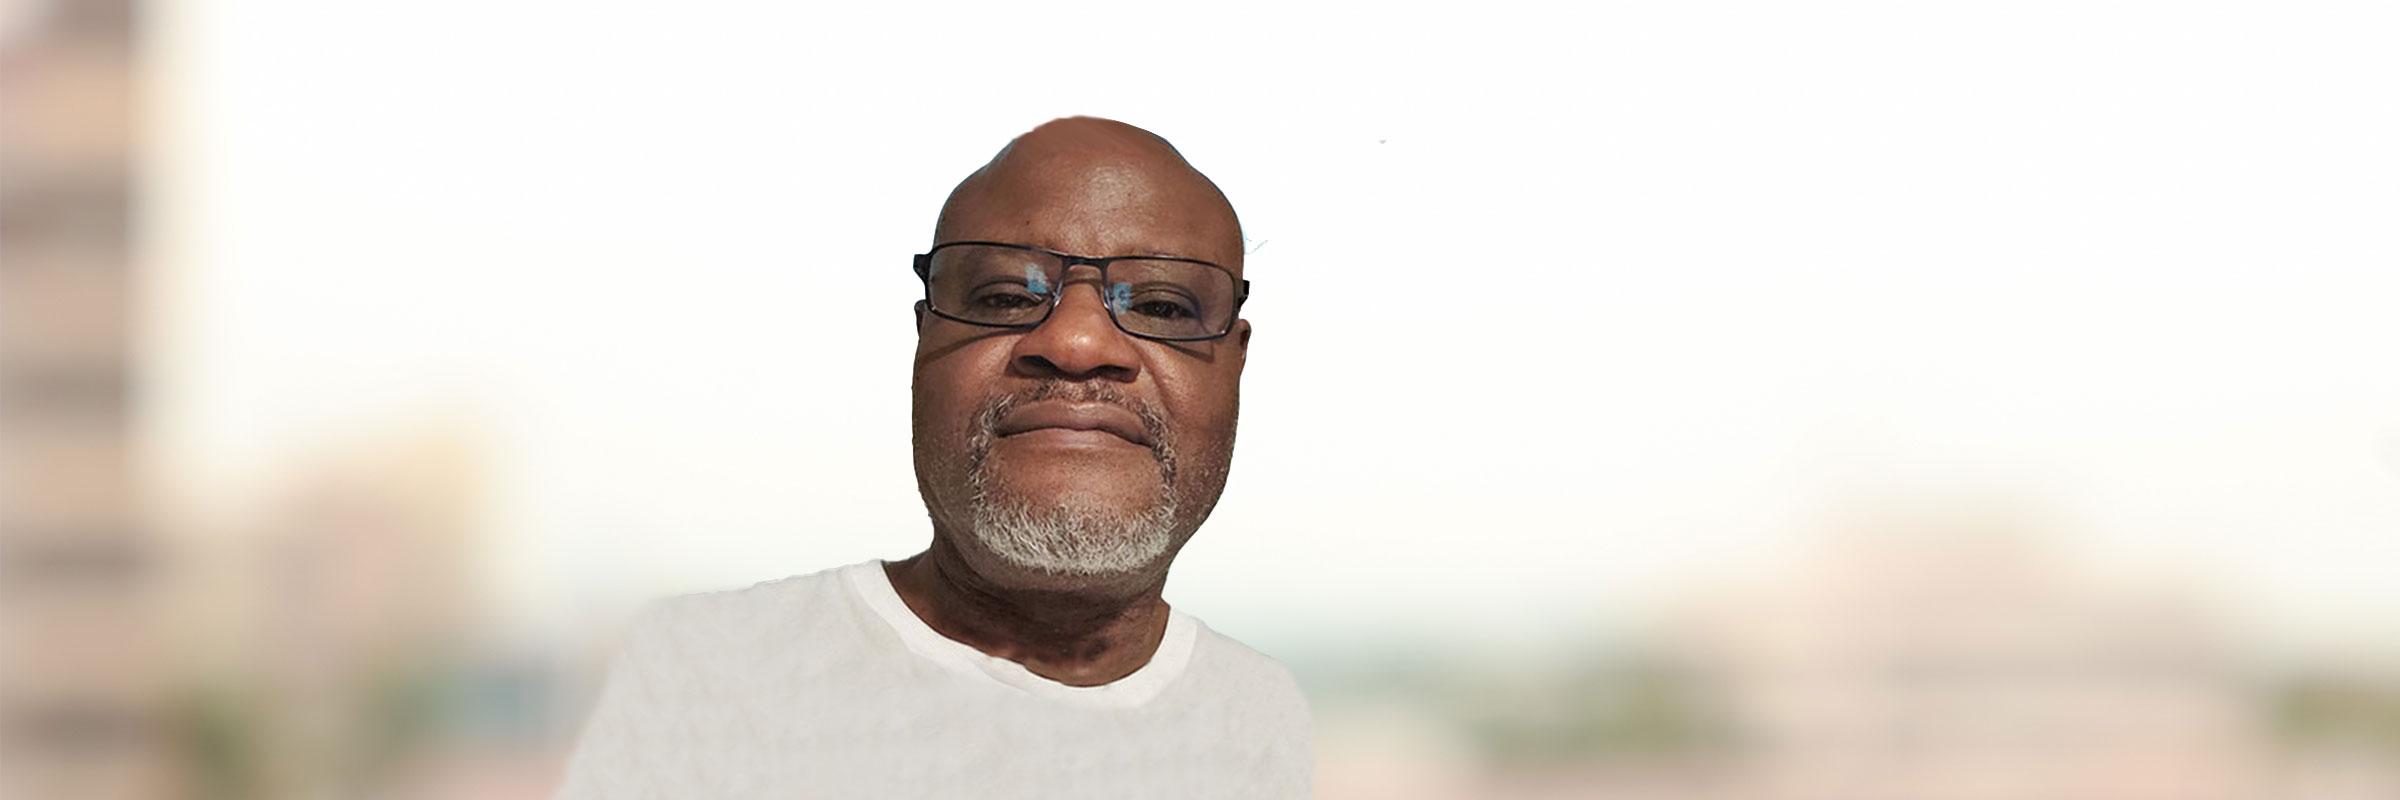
(1078, 341)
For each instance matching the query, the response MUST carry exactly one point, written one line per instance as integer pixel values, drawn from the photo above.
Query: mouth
(1072, 423)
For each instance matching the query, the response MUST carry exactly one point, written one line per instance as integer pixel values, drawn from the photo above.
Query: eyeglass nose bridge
(1066, 271)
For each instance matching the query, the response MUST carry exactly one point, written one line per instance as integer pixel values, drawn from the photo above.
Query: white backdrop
(1555, 311)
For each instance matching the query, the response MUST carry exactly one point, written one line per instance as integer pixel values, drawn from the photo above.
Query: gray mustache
(1153, 423)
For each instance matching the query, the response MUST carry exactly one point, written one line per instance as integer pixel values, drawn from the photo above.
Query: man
(1078, 367)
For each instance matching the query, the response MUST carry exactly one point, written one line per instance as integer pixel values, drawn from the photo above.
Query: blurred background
(1664, 400)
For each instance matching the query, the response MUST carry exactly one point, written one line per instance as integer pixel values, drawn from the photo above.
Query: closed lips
(1074, 417)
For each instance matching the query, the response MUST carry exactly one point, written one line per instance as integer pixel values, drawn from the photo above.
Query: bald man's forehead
(1099, 212)
(1117, 194)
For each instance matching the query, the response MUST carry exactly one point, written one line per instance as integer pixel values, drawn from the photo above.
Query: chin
(1074, 543)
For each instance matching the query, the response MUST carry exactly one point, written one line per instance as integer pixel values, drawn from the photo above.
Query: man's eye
(1163, 309)
(1008, 299)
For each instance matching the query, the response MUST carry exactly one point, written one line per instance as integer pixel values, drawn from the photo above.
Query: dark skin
(1096, 188)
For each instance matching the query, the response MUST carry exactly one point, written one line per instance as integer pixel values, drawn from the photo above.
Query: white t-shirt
(827, 686)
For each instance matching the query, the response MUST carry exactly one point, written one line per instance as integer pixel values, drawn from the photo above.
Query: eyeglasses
(1001, 285)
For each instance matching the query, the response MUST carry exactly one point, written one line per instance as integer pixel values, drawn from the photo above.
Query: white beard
(1071, 539)
(1074, 537)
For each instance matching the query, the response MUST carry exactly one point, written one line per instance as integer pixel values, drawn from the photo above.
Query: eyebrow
(1164, 254)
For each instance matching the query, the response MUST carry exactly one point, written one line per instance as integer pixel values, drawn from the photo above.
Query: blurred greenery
(2339, 710)
(1593, 705)
(220, 728)
(247, 737)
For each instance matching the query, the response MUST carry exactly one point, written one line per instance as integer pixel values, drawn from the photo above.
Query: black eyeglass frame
(924, 269)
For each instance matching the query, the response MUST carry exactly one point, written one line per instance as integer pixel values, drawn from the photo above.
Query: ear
(921, 315)
(1241, 345)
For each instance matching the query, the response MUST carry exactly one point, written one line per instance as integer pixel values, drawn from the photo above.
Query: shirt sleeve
(618, 755)
(1287, 765)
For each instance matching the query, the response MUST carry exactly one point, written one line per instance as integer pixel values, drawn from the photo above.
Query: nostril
(1038, 366)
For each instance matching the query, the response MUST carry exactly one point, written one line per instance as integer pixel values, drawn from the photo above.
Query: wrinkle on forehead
(1094, 187)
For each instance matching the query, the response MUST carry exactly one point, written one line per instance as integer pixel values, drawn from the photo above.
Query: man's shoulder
(1252, 672)
(731, 616)
(771, 593)
(1257, 694)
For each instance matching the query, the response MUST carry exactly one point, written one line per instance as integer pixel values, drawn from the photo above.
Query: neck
(1078, 637)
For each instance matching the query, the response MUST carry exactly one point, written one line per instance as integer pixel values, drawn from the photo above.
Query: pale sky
(1553, 311)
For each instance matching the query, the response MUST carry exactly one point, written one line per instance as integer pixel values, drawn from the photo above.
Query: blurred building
(82, 713)
(333, 635)
(1922, 648)
(1943, 655)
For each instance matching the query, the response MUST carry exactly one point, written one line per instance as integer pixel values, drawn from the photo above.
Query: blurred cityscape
(328, 640)
(84, 700)
(1913, 654)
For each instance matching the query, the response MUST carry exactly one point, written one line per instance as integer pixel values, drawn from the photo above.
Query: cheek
(1204, 411)
(951, 381)
(944, 420)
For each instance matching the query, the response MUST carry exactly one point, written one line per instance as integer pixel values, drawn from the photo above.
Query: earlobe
(920, 315)
(1241, 334)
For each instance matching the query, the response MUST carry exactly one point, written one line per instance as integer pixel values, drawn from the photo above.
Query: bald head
(1094, 187)
(1019, 487)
